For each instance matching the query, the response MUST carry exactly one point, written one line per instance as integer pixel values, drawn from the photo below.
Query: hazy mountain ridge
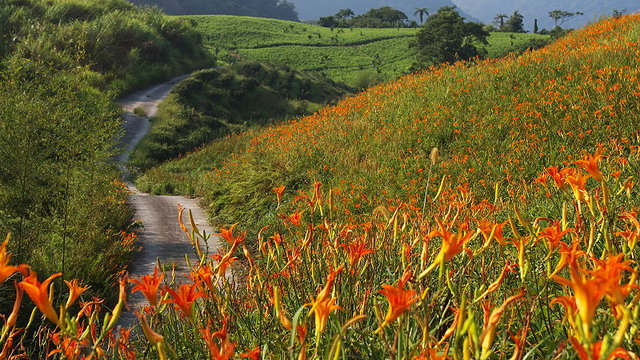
(486, 10)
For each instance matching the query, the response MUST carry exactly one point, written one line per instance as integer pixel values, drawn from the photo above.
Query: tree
(515, 23)
(445, 37)
(499, 19)
(421, 12)
(560, 16)
(535, 26)
(345, 14)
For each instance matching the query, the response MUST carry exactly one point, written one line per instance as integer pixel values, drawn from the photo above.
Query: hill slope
(497, 121)
(358, 57)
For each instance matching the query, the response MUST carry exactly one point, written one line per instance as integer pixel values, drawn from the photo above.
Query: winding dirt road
(160, 237)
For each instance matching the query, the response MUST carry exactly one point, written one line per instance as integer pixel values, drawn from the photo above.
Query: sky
(483, 10)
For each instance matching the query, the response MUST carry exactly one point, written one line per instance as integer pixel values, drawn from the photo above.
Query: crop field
(347, 55)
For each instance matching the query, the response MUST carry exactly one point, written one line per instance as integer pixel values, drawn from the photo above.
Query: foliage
(62, 64)
(445, 37)
(215, 102)
(514, 24)
(559, 17)
(122, 46)
(275, 9)
(58, 193)
(384, 17)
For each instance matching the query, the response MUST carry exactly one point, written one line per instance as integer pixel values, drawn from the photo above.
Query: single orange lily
(399, 298)
(184, 298)
(452, 245)
(149, 285)
(590, 165)
(75, 290)
(222, 351)
(7, 270)
(39, 294)
(251, 354)
(279, 191)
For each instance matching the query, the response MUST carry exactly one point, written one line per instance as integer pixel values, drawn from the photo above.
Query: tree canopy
(446, 37)
(384, 17)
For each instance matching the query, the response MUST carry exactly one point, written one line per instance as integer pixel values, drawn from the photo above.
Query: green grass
(216, 102)
(358, 57)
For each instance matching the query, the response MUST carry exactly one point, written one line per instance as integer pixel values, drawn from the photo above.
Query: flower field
(474, 211)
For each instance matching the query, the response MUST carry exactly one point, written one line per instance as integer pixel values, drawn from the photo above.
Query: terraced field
(355, 56)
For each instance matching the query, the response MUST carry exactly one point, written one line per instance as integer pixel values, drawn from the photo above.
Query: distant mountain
(275, 9)
(486, 10)
(314, 9)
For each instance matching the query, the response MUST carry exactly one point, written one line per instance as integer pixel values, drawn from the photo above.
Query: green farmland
(358, 57)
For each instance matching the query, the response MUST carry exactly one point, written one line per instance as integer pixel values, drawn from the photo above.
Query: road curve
(160, 236)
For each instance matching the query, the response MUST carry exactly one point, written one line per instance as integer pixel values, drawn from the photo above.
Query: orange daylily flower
(39, 294)
(279, 191)
(149, 285)
(399, 298)
(295, 218)
(7, 270)
(588, 291)
(596, 349)
(452, 245)
(491, 323)
(227, 234)
(611, 270)
(553, 235)
(355, 251)
(326, 291)
(569, 305)
(222, 351)
(75, 290)
(224, 262)
(204, 275)
(558, 176)
(252, 354)
(590, 165)
(491, 231)
(184, 298)
(321, 311)
(578, 184)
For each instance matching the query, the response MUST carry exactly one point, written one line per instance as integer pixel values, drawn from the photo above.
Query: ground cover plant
(477, 281)
(358, 56)
(216, 102)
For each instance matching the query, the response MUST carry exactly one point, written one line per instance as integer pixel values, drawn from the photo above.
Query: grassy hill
(215, 102)
(355, 56)
(495, 121)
